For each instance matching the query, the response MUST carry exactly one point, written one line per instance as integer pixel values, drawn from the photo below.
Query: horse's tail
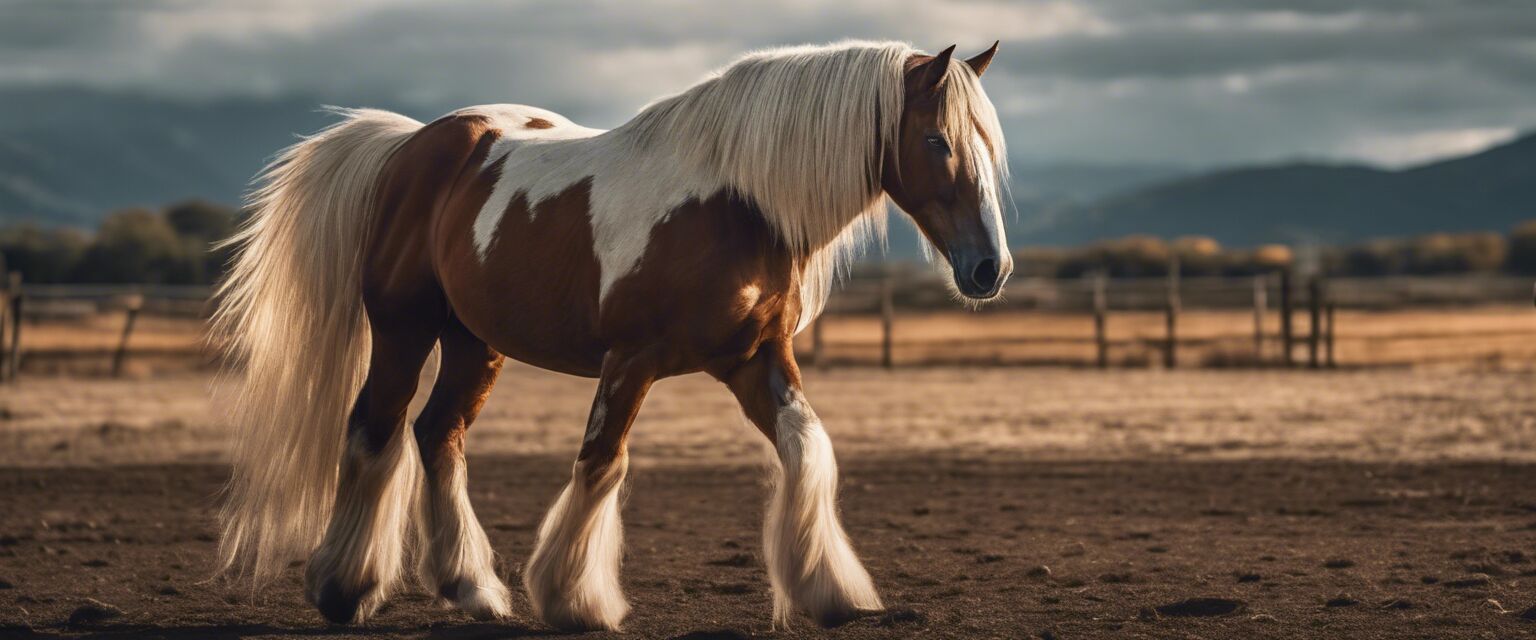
(291, 317)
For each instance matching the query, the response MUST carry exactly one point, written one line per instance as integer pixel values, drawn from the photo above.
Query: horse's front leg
(572, 578)
(810, 562)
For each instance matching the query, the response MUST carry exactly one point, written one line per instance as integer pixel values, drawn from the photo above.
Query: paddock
(987, 502)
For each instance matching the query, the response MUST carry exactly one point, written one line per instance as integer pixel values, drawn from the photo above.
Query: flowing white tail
(291, 318)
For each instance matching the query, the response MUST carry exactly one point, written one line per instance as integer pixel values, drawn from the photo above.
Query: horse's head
(947, 167)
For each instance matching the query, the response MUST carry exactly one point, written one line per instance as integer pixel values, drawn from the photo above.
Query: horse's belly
(549, 341)
(535, 318)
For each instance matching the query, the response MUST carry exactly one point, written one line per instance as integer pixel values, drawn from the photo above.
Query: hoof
(831, 619)
(586, 615)
(481, 602)
(336, 604)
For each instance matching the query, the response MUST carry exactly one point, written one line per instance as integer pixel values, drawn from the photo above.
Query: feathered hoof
(840, 617)
(578, 613)
(833, 599)
(482, 602)
(342, 605)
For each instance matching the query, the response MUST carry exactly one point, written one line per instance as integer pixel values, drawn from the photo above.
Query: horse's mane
(799, 132)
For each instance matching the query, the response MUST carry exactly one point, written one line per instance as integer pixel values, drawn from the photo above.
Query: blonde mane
(797, 131)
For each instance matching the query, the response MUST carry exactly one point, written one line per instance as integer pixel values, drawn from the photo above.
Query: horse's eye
(939, 143)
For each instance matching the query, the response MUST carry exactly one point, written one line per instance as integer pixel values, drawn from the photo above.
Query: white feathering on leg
(573, 575)
(458, 562)
(810, 562)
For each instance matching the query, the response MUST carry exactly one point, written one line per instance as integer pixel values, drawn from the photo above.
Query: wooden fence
(26, 309)
(1293, 318)
(1305, 308)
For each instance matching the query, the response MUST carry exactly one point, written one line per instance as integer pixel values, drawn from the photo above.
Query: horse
(700, 236)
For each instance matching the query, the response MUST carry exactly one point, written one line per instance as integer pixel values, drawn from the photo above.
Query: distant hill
(1310, 202)
(1039, 187)
(69, 157)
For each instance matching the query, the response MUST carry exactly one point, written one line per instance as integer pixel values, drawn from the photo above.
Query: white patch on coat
(625, 203)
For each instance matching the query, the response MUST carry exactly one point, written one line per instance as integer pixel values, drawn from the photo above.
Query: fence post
(1331, 327)
(1315, 315)
(5, 317)
(134, 303)
(1260, 307)
(1170, 347)
(13, 357)
(1287, 308)
(887, 316)
(1100, 318)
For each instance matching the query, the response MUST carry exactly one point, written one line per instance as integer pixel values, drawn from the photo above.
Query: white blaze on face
(986, 185)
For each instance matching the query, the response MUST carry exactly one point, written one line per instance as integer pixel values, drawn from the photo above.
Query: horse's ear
(934, 70)
(980, 62)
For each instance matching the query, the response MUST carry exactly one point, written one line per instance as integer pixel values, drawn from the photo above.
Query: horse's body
(697, 237)
(529, 279)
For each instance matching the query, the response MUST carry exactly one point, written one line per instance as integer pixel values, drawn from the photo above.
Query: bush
(136, 245)
(1441, 253)
(1272, 256)
(42, 255)
(201, 224)
(1375, 258)
(1200, 256)
(1038, 262)
(1131, 256)
(1522, 248)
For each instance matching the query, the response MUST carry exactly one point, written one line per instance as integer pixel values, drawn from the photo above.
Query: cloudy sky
(1131, 81)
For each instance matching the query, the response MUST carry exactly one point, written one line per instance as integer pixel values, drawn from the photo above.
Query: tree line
(174, 245)
(1425, 255)
(179, 245)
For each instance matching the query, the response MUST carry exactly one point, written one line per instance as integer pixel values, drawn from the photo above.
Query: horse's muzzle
(980, 276)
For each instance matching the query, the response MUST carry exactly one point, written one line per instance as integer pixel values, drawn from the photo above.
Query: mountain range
(68, 157)
(1298, 203)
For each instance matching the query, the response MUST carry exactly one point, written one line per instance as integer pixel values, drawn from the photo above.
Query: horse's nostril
(985, 273)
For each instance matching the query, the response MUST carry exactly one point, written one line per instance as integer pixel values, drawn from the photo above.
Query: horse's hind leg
(360, 557)
(573, 575)
(810, 562)
(458, 561)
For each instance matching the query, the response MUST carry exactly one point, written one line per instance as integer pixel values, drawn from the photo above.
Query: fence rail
(1276, 319)
(1306, 310)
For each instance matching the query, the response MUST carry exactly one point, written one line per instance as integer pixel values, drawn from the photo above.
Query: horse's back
(521, 122)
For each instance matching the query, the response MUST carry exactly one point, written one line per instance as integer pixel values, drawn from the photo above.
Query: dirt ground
(1058, 503)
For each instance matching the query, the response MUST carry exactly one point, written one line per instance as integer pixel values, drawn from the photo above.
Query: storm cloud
(1159, 81)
